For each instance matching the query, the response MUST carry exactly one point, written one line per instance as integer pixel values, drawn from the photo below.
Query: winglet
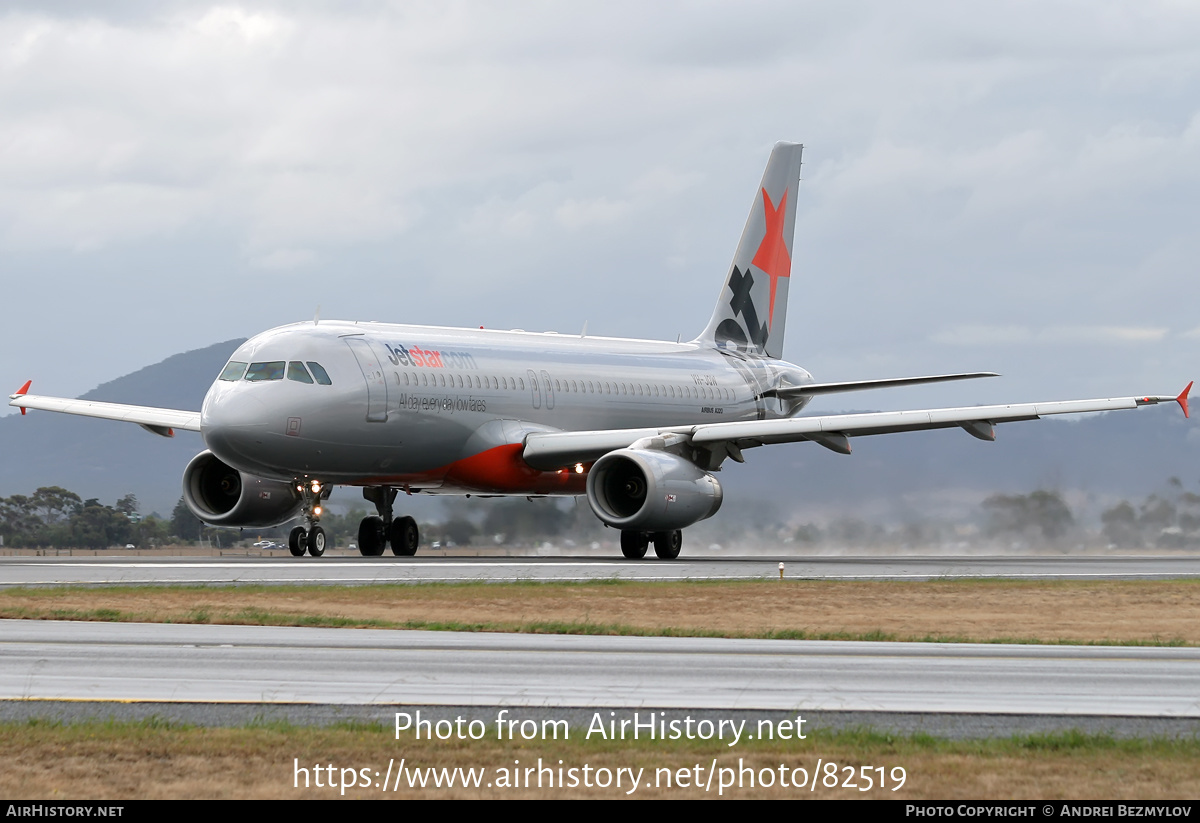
(29, 383)
(1182, 399)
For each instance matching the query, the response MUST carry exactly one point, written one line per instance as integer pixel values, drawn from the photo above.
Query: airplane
(639, 427)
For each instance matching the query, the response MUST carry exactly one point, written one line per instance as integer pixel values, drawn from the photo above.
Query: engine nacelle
(646, 490)
(220, 495)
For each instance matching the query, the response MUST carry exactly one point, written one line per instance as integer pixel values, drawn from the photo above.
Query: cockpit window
(297, 372)
(272, 370)
(320, 373)
(233, 371)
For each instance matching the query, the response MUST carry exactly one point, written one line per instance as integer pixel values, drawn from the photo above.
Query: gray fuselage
(442, 409)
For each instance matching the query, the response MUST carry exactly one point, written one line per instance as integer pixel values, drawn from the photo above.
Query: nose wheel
(298, 541)
(309, 539)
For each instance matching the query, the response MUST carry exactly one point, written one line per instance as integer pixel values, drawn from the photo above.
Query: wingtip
(1182, 399)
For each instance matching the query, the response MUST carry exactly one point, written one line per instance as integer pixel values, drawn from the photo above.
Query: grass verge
(1152, 613)
(121, 761)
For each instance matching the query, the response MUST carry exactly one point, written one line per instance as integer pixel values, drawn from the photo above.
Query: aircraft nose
(234, 424)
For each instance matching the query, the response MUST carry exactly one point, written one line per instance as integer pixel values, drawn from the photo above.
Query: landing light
(316, 511)
(316, 487)
(579, 468)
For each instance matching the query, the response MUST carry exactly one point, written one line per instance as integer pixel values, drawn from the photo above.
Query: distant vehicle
(638, 426)
(130, 546)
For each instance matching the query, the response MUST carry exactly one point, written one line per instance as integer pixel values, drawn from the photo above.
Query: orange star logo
(772, 256)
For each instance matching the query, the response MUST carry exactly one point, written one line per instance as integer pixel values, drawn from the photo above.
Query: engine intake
(220, 495)
(645, 490)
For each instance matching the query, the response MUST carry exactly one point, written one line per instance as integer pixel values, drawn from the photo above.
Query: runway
(224, 674)
(204, 663)
(117, 570)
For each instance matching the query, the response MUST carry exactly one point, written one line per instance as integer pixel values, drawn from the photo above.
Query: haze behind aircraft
(638, 426)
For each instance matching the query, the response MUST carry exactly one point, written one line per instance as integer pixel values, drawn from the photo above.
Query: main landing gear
(666, 544)
(310, 538)
(377, 531)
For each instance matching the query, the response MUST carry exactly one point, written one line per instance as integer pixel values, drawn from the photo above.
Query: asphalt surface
(42, 660)
(217, 675)
(348, 570)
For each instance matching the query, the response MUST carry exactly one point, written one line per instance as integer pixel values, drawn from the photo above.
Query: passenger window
(406, 378)
(319, 372)
(233, 371)
(272, 370)
(297, 372)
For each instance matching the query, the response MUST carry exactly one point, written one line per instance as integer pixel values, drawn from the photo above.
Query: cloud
(1029, 171)
(284, 259)
(1058, 335)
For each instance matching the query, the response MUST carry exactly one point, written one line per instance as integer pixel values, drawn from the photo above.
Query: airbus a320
(640, 427)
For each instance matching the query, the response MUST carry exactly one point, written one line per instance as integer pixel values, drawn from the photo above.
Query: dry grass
(99, 761)
(128, 761)
(1156, 612)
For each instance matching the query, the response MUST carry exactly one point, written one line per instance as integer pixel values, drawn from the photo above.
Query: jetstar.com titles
(418, 357)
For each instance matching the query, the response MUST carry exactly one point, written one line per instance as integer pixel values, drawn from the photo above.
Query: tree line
(54, 516)
(1168, 519)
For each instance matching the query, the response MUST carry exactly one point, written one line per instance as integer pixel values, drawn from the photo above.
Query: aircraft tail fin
(751, 311)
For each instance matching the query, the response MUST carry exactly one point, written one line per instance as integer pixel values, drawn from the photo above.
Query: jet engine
(220, 495)
(648, 490)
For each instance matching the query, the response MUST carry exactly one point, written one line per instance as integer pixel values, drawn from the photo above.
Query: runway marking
(337, 580)
(766, 575)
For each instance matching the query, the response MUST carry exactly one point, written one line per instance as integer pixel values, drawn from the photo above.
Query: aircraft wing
(811, 389)
(159, 421)
(551, 450)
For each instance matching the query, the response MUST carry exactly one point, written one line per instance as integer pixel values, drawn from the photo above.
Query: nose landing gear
(311, 539)
(377, 531)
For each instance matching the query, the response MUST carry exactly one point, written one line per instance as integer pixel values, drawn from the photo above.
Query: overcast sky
(1004, 186)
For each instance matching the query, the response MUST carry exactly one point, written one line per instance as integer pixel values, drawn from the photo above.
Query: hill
(105, 460)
